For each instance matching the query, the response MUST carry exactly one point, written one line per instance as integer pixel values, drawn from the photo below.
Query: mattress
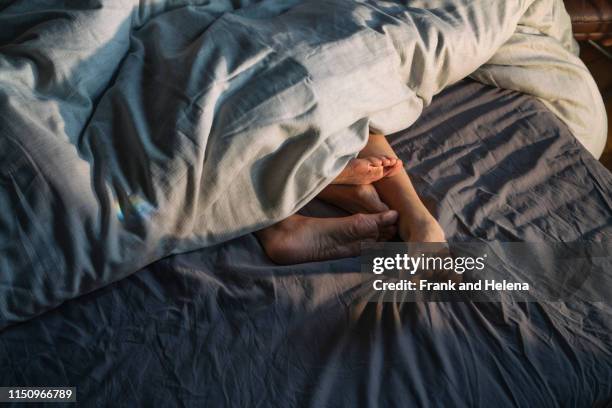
(224, 326)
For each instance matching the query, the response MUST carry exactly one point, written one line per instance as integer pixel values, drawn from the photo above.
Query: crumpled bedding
(223, 326)
(132, 130)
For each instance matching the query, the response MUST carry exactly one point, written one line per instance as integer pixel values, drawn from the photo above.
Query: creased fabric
(130, 131)
(224, 326)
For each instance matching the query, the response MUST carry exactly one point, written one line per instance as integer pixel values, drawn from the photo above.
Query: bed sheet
(223, 326)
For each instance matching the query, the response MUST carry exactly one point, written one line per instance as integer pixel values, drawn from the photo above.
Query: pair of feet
(299, 239)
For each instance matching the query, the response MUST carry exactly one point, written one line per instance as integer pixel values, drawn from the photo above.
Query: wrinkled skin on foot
(360, 198)
(299, 239)
(363, 198)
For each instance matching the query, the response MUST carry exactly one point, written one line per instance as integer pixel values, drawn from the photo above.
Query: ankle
(416, 222)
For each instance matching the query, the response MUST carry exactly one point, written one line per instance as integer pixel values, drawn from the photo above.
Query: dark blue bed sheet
(223, 326)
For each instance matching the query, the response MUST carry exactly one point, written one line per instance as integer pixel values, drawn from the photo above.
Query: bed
(223, 326)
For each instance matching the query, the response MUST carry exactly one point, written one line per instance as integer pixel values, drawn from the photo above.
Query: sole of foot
(367, 170)
(354, 199)
(300, 239)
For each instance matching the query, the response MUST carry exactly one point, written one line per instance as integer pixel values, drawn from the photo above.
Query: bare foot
(426, 229)
(366, 170)
(299, 239)
(361, 198)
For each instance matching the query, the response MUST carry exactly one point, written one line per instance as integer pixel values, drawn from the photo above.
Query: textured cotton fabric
(132, 130)
(223, 326)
